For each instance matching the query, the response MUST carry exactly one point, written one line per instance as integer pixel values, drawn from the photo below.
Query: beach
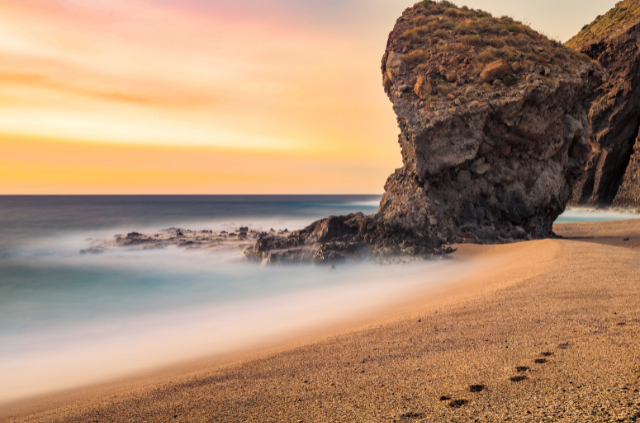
(544, 330)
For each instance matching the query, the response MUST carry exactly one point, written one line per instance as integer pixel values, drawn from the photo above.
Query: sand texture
(549, 331)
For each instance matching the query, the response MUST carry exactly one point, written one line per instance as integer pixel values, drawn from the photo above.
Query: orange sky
(210, 97)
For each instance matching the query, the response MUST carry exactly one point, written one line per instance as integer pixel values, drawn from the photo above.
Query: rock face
(493, 135)
(612, 174)
(482, 161)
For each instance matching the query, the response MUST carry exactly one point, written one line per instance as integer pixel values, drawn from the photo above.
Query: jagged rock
(629, 193)
(423, 88)
(327, 230)
(611, 176)
(510, 155)
(482, 163)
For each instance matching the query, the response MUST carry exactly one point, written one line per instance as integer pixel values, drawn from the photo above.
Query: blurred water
(577, 215)
(68, 319)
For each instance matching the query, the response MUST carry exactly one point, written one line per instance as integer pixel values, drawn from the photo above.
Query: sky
(210, 96)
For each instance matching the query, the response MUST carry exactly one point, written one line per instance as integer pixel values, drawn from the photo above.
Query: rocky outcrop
(208, 240)
(628, 194)
(494, 152)
(493, 135)
(611, 176)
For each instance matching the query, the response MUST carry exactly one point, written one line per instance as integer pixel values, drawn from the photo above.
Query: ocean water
(68, 319)
(577, 215)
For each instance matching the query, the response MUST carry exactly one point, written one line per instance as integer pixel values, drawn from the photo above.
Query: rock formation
(613, 174)
(493, 134)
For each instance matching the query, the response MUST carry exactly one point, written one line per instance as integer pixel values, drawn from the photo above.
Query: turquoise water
(577, 215)
(68, 319)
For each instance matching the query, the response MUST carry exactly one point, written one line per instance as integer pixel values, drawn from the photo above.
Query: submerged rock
(613, 174)
(493, 134)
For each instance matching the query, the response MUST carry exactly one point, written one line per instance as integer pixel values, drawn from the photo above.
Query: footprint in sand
(521, 369)
(476, 388)
(518, 378)
(546, 354)
(412, 415)
(540, 360)
(457, 403)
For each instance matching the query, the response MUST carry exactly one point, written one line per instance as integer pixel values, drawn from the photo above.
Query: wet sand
(541, 331)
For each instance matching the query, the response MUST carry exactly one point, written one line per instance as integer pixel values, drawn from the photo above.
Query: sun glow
(278, 86)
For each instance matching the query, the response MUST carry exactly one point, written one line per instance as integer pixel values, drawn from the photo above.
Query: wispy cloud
(273, 86)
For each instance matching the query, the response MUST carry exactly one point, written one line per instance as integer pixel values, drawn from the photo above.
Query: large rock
(611, 174)
(483, 162)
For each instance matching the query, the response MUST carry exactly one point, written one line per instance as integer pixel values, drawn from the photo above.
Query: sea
(68, 319)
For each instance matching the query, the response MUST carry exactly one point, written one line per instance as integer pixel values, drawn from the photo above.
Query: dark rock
(328, 229)
(92, 250)
(613, 173)
(487, 234)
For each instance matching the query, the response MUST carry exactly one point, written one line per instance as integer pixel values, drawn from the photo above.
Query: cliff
(494, 128)
(613, 174)
(493, 135)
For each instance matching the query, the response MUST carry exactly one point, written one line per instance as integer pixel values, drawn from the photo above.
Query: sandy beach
(541, 331)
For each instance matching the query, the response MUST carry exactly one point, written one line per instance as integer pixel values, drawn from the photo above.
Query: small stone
(516, 66)
(464, 176)
(450, 96)
(495, 70)
(423, 88)
(332, 267)
(395, 64)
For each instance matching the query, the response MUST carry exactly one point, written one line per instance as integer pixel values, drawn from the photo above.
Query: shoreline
(443, 311)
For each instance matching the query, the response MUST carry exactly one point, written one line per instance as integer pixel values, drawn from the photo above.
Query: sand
(542, 331)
